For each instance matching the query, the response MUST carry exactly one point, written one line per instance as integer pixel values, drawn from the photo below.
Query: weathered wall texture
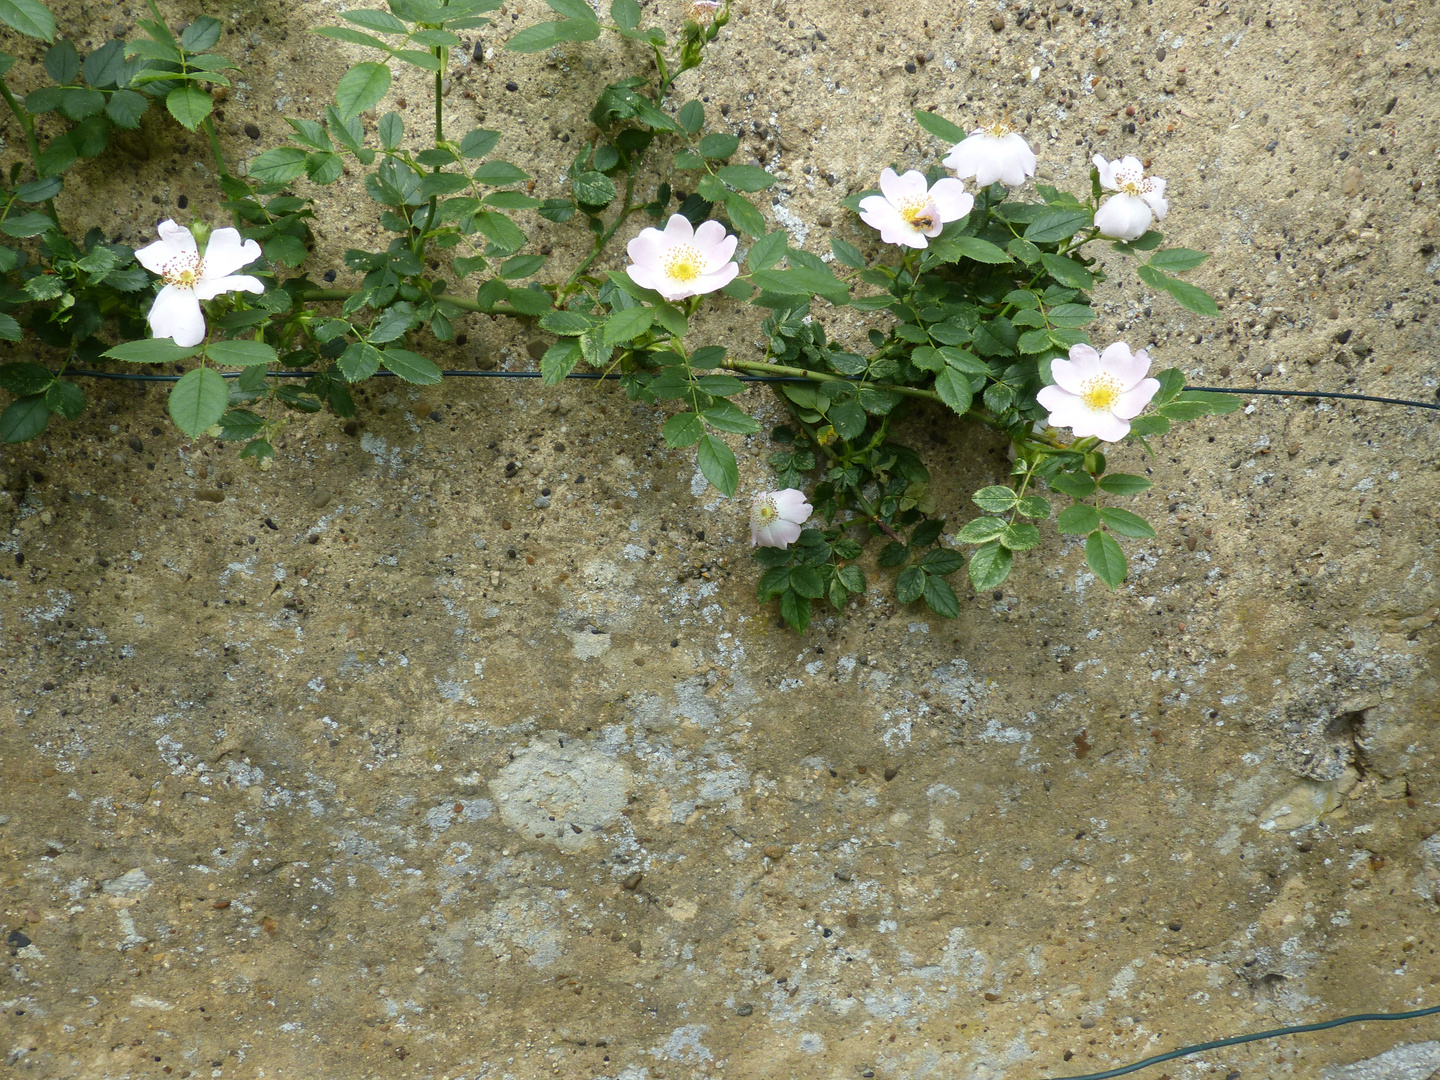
(395, 761)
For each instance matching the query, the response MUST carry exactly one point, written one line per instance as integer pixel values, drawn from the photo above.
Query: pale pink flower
(1140, 199)
(991, 153)
(776, 517)
(190, 277)
(1099, 393)
(908, 210)
(683, 261)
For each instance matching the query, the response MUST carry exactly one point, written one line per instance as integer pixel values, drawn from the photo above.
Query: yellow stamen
(1102, 393)
(683, 263)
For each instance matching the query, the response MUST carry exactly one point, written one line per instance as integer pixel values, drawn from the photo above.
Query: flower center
(767, 511)
(1131, 181)
(183, 271)
(702, 12)
(996, 129)
(683, 263)
(919, 213)
(1102, 393)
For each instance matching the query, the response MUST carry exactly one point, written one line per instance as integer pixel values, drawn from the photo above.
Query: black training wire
(126, 376)
(1299, 1029)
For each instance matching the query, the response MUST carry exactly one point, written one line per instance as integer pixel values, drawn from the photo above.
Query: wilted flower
(909, 210)
(1141, 198)
(776, 517)
(702, 12)
(1099, 393)
(683, 261)
(190, 277)
(991, 153)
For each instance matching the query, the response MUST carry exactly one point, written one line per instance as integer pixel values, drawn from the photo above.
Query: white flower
(702, 12)
(776, 517)
(1141, 198)
(190, 277)
(683, 261)
(991, 153)
(908, 210)
(1099, 393)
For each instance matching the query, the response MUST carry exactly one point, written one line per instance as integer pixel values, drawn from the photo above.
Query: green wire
(1300, 1029)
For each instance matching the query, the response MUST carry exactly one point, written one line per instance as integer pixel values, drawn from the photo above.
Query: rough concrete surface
(394, 761)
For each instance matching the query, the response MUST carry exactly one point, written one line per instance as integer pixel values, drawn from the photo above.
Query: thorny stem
(27, 122)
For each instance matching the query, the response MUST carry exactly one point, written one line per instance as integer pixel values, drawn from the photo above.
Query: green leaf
(240, 353)
(1067, 271)
(1177, 260)
(411, 367)
(151, 351)
(25, 417)
(1124, 523)
(23, 379)
(1073, 484)
(259, 450)
(62, 62)
(478, 143)
(627, 325)
(391, 129)
(559, 360)
(683, 429)
(940, 597)
(1055, 225)
(766, 251)
(626, 13)
(568, 323)
(547, 35)
(572, 9)
(426, 61)
(1104, 556)
(353, 37)
(359, 361)
(996, 499)
(910, 585)
(278, 166)
(65, 398)
(1023, 250)
(500, 173)
(1172, 381)
(126, 107)
(593, 189)
(500, 231)
(1124, 484)
(382, 22)
(743, 215)
(672, 319)
(718, 145)
(1020, 536)
(746, 177)
(942, 561)
(939, 127)
(189, 105)
(717, 464)
(9, 328)
(847, 254)
(520, 266)
(1034, 506)
(807, 582)
(990, 565)
(981, 530)
(1150, 424)
(1078, 519)
(201, 34)
(795, 610)
(977, 250)
(723, 416)
(801, 281)
(1186, 295)
(240, 425)
(361, 88)
(691, 116)
(954, 389)
(33, 19)
(1215, 404)
(198, 400)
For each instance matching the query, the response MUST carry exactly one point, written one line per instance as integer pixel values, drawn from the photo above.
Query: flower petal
(1084, 362)
(180, 239)
(1132, 402)
(792, 506)
(715, 252)
(714, 280)
(647, 247)
(1156, 201)
(890, 186)
(646, 275)
(155, 257)
(1018, 160)
(176, 314)
(1106, 427)
(1123, 217)
(1129, 369)
(1057, 399)
(208, 288)
(1068, 377)
(678, 230)
(1106, 169)
(226, 253)
(951, 199)
(894, 229)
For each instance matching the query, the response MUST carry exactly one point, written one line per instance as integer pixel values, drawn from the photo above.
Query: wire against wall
(126, 376)
(1236, 1040)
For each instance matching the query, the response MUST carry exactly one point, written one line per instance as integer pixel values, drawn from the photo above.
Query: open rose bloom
(908, 210)
(683, 261)
(776, 518)
(1138, 201)
(1099, 393)
(991, 153)
(191, 277)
